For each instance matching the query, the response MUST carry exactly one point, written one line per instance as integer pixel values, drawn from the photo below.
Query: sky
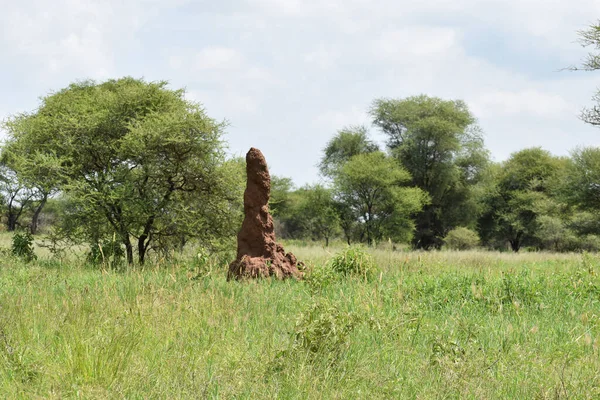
(288, 74)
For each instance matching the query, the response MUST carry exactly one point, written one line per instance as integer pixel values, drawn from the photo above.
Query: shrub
(324, 329)
(353, 261)
(461, 239)
(589, 243)
(22, 246)
(319, 276)
(108, 253)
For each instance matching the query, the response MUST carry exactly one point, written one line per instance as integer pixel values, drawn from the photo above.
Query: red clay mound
(258, 255)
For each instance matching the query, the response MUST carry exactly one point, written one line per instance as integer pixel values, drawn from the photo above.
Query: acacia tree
(590, 37)
(16, 195)
(523, 193)
(348, 142)
(130, 156)
(439, 143)
(34, 172)
(318, 213)
(371, 185)
(583, 180)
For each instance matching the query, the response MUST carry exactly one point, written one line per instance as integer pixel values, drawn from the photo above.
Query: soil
(258, 253)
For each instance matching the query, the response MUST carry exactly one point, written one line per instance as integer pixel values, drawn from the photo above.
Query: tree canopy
(132, 158)
(348, 142)
(438, 142)
(590, 37)
(371, 185)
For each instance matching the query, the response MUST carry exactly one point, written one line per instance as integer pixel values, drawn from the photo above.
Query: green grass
(443, 325)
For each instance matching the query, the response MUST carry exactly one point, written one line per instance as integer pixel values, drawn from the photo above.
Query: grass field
(444, 325)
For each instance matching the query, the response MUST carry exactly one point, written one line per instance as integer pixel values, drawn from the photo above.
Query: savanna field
(437, 325)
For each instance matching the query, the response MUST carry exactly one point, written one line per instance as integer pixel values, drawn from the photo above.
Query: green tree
(554, 233)
(371, 185)
(34, 172)
(17, 196)
(590, 37)
(131, 156)
(348, 142)
(583, 179)
(525, 189)
(318, 212)
(439, 143)
(280, 202)
(347, 219)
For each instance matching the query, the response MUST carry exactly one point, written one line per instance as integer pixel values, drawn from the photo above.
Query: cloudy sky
(287, 74)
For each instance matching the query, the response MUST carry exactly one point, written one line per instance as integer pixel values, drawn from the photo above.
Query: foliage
(279, 202)
(440, 145)
(347, 143)
(461, 238)
(22, 246)
(16, 197)
(370, 184)
(353, 260)
(525, 188)
(323, 330)
(317, 212)
(582, 185)
(108, 253)
(319, 276)
(590, 37)
(135, 159)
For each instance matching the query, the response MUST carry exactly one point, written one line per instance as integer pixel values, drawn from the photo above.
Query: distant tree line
(129, 167)
(436, 185)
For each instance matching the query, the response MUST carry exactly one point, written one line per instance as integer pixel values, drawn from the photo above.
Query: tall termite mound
(258, 254)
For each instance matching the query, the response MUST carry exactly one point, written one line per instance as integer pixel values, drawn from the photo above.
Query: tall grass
(427, 325)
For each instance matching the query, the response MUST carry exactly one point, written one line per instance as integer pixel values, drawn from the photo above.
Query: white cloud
(416, 41)
(322, 57)
(235, 103)
(530, 101)
(334, 120)
(290, 73)
(218, 58)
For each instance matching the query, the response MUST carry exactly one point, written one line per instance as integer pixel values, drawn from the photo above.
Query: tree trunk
(326, 241)
(128, 249)
(515, 245)
(142, 247)
(12, 221)
(36, 215)
(144, 239)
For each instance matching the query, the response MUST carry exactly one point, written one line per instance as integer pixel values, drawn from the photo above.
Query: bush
(324, 329)
(319, 276)
(461, 239)
(22, 246)
(589, 243)
(353, 261)
(108, 253)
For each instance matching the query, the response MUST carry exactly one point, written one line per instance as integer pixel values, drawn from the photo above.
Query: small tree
(461, 238)
(319, 213)
(371, 185)
(523, 191)
(17, 196)
(347, 143)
